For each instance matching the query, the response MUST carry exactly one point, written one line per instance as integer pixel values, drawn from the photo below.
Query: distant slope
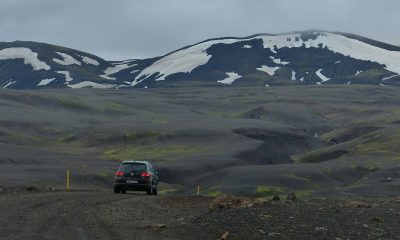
(294, 58)
(331, 140)
(310, 57)
(27, 65)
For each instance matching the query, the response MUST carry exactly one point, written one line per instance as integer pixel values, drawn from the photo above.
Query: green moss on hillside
(265, 191)
(150, 152)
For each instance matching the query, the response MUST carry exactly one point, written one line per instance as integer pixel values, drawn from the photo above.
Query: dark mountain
(311, 57)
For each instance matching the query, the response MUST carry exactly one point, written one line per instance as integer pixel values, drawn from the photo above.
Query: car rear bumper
(133, 186)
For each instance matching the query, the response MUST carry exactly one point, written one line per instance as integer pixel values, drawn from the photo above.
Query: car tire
(117, 189)
(155, 191)
(123, 191)
(149, 191)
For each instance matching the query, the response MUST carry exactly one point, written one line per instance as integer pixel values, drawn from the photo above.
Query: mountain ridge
(301, 57)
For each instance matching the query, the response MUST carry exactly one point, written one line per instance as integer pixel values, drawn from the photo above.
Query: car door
(154, 173)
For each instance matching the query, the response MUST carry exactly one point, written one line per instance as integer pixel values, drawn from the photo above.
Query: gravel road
(104, 215)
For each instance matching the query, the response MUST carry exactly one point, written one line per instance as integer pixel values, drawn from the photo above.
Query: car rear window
(133, 167)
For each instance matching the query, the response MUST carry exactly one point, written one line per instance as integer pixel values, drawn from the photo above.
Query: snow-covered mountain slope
(27, 65)
(303, 57)
(311, 57)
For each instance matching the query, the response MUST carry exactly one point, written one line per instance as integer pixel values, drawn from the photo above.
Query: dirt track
(95, 215)
(103, 215)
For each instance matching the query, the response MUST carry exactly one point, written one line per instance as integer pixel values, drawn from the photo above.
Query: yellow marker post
(67, 179)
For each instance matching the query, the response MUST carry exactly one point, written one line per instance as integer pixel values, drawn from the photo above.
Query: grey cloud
(123, 29)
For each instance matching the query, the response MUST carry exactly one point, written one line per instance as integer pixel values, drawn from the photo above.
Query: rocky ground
(104, 215)
(335, 147)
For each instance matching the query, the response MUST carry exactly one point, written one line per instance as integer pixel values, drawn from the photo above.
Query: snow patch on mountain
(280, 41)
(86, 84)
(46, 81)
(246, 46)
(358, 72)
(135, 82)
(8, 83)
(338, 44)
(67, 59)
(125, 61)
(181, 61)
(360, 50)
(321, 76)
(116, 68)
(269, 70)
(278, 61)
(232, 76)
(89, 60)
(293, 75)
(387, 78)
(26, 54)
(67, 75)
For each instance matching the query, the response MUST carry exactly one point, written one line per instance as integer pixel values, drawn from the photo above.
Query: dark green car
(136, 176)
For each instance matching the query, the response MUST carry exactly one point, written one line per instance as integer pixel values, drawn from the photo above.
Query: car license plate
(131, 181)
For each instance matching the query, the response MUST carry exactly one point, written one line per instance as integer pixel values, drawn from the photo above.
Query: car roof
(134, 161)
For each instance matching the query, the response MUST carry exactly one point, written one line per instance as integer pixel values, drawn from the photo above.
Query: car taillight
(145, 174)
(119, 174)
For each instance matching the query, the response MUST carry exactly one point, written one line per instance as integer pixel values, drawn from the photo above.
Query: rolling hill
(299, 58)
(333, 140)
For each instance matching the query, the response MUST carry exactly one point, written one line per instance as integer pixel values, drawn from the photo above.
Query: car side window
(151, 169)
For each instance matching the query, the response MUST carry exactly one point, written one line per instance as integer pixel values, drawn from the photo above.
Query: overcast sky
(124, 29)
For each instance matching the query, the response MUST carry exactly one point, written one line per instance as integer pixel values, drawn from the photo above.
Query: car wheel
(116, 189)
(149, 191)
(155, 191)
(123, 191)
